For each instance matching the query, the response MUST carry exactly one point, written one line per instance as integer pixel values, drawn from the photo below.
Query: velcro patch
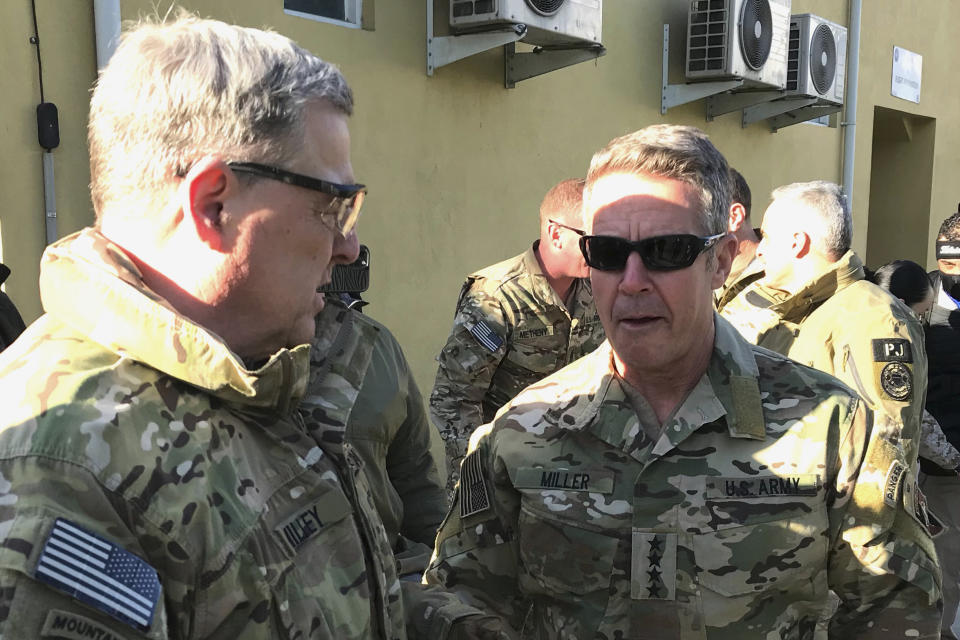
(63, 624)
(654, 566)
(896, 379)
(563, 479)
(892, 350)
(891, 485)
(486, 336)
(99, 573)
(474, 497)
(305, 525)
(743, 488)
(539, 332)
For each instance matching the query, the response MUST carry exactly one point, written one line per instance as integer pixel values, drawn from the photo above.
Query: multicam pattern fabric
(388, 428)
(762, 497)
(737, 282)
(850, 328)
(934, 445)
(132, 422)
(534, 335)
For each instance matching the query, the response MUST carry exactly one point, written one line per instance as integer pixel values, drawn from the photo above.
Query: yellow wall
(457, 164)
(69, 68)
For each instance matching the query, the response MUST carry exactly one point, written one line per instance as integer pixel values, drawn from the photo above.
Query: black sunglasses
(348, 198)
(660, 253)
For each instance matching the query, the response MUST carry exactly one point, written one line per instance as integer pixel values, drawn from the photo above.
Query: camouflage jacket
(388, 428)
(140, 433)
(510, 330)
(770, 487)
(850, 328)
(934, 445)
(737, 282)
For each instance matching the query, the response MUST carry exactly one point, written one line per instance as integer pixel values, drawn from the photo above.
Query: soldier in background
(943, 348)
(387, 426)
(516, 322)
(679, 482)
(158, 478)
(11, 324)
(746, 268)
(815, 306)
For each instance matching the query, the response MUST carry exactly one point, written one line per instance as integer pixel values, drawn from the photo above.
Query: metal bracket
(766, 110)
(803, 114)
(523, 66)
(673, 95)
(442, 50)
(730, 102)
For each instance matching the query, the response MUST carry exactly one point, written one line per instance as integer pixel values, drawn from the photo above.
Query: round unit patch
(897, 381)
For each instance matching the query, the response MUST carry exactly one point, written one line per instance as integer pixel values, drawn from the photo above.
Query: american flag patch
(486, 336)
(473, 487)
(100, 574)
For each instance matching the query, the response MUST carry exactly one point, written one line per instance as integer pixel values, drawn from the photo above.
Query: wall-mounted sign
(907, 70)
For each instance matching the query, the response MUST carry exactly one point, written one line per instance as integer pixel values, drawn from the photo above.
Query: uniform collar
(541, 286)
(727, 388)
(794, 307)
(88, 283)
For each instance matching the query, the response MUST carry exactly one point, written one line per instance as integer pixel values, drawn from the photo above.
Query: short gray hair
(676, 152)
(178, 89)
(831, 226)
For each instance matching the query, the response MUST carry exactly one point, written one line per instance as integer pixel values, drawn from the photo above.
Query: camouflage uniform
(737, 282)
(389, 430)
(850, 328)
(510, 330)
(770, 487)
(125, 419)
(934, 445)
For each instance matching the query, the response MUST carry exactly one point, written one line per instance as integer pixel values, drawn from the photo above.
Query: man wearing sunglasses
(157, 477)
(679, 482)
(516, 322)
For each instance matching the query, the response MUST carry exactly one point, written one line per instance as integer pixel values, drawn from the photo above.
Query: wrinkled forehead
(627, 196)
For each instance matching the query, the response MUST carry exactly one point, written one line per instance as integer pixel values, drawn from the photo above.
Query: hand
(481, 627)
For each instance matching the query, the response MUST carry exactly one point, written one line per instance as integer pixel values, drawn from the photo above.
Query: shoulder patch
(897, 381)
(891, 485)
(99, 573)
(486, 336)
(892, 350)
(63, 624)
(474, 497)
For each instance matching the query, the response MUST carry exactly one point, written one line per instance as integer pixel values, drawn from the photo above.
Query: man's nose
(346, 248)
(636, 276)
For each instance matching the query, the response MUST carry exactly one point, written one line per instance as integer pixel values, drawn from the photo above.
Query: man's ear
(553, 234)
(801, 245)
(203, 192)
(725, 251)
(738, 215)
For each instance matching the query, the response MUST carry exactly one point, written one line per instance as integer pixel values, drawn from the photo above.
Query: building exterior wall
(456, 163)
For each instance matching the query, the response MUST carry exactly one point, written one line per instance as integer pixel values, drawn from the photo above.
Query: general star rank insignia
(654, 566)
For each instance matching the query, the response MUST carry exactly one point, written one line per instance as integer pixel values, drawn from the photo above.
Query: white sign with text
(907, 71)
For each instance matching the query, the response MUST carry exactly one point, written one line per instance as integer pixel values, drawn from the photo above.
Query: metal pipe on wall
(106, 18)
(849, 123)
(49, 196)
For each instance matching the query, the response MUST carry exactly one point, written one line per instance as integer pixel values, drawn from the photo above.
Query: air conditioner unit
(738, 39)
(816, 62)
(549, 22)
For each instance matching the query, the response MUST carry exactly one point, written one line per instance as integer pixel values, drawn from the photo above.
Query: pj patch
(892, 359)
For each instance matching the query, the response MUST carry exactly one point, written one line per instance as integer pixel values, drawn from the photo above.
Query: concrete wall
(456, 164)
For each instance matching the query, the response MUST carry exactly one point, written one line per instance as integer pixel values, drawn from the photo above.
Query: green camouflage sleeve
(476, 555)
(883, 565)
(32, 608)
(477, 344)
(414, 470)
(887, 364)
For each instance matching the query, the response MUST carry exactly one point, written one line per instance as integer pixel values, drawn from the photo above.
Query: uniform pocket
(563, 557)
